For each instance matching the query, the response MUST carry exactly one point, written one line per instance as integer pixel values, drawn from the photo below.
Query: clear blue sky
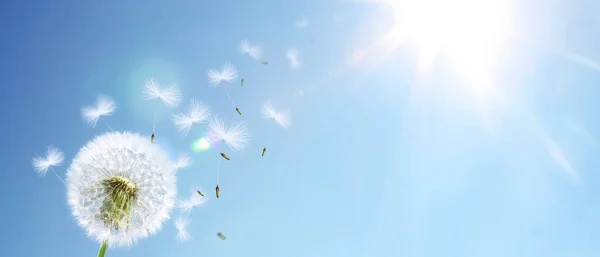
(359, 173)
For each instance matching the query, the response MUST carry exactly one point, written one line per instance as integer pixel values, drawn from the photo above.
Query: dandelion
(198, 112)
(54, 157)
(254, 51)
(227, 73)
(281, 118)
(181, 224)
(235, 136)
(292, 56)
(170, 96)
(183, 161)
(105, 106)
(121, 188)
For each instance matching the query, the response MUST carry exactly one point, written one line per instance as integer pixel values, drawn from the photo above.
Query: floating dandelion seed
(254, 51)
(181, 224)
(121, 188)
(282, 118)
(292, 55)
(220, 235)
(105, 106)
(183, 161)
(227, 73)
(235, 136)
(54, 157)
(198, 112)
(170, 96)
(194, 200)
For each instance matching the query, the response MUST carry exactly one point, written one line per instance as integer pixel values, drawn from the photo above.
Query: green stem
(102, 250)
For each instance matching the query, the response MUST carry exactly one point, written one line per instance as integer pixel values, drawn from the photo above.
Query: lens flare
(201, 144)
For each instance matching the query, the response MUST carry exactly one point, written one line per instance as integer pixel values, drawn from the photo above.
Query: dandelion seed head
(181, 225)
(227, 73)
(105, 106)
(121, 188)
(235, 136)
(170, 95)
(254, 51)
(54, 157)
(193, 200)
(183, 161)
(198, 112)
(281, 118)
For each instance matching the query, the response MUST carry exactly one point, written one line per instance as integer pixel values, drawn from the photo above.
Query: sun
(471, 32)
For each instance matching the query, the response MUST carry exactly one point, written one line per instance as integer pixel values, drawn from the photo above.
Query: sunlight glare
(471, 32)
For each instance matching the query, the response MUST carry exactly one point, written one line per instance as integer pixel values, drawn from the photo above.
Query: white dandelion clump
(235, 136)
(198, 112)
(227, 73)
(181, 224)
(194, 200)
(54, 157)
(105, 106)
(282, 118)
(292, 55)
(183, 161)
(170, 96)
(121, 188)
(254, 51)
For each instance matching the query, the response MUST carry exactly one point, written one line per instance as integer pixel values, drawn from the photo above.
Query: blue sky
(377, 162)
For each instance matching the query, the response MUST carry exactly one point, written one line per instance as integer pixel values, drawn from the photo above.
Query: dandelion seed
(254, 51)
(200, 193)
(105, 106)
(198, 112)
(225, 156)
(227, 73)
(181, 224)
(54, 157)
(121, 188)
(242, 82)
(183, 161)
(235, 136)
(170, 96)
(264, 151)
(220, 235)
(292, 55)
(218, 191)
(238, 111)
(265, 63)
(193, 200)
(281, 118)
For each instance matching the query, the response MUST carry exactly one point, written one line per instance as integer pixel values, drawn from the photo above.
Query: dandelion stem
(218, 169)
(59, 178)
(154, 128)
(229, 96)
(106, 123)
(102, 250)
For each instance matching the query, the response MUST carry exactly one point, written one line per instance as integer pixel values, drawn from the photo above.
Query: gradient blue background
(357, 174)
